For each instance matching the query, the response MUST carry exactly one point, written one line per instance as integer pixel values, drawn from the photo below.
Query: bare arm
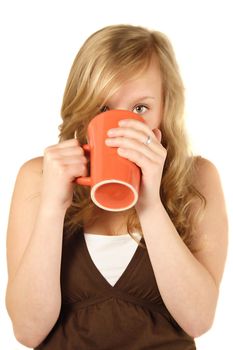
(189, 283)
(34, 240)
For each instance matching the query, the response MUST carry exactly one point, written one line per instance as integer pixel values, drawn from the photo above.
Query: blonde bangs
(93, 80)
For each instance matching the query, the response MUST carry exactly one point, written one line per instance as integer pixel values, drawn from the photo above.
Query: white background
(39, 40)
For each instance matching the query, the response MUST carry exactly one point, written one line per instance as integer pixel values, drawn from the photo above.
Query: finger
(131, 144)
(73, 160)
(130, 133)
(138, 158)
(68, 143)
(158, 134)
(67, 151)
(132, 124)
(76, 170)
(63, 144)
(136, 124)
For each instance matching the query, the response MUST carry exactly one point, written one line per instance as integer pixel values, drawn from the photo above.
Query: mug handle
(82, 180)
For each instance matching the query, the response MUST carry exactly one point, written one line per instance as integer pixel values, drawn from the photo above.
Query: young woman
(78, 279)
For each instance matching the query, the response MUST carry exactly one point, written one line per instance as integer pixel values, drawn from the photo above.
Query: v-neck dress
(95, 315)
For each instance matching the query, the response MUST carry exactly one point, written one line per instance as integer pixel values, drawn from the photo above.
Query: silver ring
(148, 140)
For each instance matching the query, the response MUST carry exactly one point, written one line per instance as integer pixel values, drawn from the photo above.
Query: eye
(140, 109)
(104, 109)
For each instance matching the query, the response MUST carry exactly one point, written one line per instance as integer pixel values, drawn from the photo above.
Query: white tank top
(111, 254)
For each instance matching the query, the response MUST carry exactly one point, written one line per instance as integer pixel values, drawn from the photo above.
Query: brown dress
(98, 316)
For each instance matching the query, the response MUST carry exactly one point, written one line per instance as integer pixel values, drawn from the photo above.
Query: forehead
(147, 83)
(151, 76)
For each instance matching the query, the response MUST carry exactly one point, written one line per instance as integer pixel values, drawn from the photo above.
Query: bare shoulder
(32, 166)
(29, 175)
(212, 229)
(208, 182)
(206, 174)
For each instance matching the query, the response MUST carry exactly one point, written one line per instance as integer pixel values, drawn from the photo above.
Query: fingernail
(111, 131)
(122, 122)
(108, 141)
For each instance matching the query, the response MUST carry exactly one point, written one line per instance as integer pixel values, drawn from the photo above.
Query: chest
(81, 280)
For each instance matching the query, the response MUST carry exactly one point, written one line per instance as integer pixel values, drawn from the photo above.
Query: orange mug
(114, 180)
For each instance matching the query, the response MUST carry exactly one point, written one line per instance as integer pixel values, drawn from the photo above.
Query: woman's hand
(130, 137)
(63, 163)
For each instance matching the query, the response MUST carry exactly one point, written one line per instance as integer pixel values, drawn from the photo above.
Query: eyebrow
(144, 98)
(140, 98)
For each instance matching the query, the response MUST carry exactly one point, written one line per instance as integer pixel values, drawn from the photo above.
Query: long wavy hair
(109, 58)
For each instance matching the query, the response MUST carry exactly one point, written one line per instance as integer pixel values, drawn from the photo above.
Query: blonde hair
(108, 58)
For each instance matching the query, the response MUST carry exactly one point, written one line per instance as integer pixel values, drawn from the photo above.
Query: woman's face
(142, 96)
